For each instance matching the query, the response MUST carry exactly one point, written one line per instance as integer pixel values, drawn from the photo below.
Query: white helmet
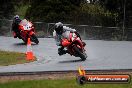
(16, 17)
(59, 28)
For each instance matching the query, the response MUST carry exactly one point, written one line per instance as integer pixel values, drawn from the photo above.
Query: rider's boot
(61, 51)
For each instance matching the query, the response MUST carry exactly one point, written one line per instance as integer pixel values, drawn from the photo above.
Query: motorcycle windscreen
(25, 24)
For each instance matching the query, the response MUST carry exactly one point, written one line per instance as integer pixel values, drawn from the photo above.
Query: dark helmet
(59, 28)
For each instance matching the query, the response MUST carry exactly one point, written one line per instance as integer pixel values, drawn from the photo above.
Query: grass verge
(58, 83)
(11, 58)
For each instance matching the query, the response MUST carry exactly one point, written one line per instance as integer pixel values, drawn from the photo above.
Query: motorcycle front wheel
(34, 39)
(82, 55)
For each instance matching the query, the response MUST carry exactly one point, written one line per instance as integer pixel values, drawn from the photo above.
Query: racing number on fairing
(27, 27)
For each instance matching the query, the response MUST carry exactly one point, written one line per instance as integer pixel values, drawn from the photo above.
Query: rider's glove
(77, 34)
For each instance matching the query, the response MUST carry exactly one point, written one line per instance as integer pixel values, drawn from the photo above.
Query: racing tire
(82, 55)
(34, 39)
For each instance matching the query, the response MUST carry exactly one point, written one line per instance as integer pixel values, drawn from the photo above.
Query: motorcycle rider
(60, 32)
(15, 25)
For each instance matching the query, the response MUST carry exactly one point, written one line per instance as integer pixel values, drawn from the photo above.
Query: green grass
(60, 83)
(10, 58)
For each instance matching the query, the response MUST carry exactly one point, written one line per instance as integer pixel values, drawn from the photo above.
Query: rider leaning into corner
(15, 25)
(61, 32)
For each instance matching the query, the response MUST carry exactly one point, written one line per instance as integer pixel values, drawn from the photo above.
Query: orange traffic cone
(29, 53)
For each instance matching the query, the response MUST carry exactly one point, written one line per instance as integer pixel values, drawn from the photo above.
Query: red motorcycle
(75, 46)
(27, 31)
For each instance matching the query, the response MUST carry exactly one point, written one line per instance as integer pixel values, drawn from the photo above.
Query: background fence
(86, 31)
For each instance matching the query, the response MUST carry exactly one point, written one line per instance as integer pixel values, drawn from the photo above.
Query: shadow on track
(71, 61)
(19, 44)
(23, 44)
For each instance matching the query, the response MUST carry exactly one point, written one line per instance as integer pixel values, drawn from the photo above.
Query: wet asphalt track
(102, 55)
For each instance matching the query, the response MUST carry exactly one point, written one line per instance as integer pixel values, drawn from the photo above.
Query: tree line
(92, 12)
